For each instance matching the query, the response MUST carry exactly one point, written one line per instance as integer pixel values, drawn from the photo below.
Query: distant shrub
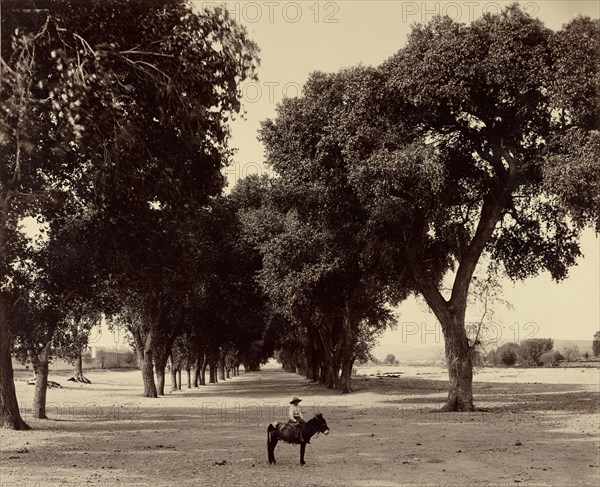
(530, 351)
(551, 357)
(596, 344)
(504, 356)
(570, 353)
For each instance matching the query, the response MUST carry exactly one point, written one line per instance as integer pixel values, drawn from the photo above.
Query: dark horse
(289, 433)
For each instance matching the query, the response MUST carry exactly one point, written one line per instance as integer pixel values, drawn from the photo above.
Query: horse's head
(321, 424)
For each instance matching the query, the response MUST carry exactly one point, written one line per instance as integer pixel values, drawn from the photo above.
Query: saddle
(292, 430)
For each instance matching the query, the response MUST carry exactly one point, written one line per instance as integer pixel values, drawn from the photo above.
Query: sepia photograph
(348, 243)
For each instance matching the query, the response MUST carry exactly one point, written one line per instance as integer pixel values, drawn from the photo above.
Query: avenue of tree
(113, 139)
(472, 143)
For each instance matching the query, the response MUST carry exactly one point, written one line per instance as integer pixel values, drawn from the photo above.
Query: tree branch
(147, 53)
(490, 215)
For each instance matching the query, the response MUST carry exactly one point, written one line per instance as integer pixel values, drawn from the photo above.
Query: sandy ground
(388, 433)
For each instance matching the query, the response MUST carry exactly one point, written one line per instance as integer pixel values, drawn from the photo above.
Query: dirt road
(387, 433)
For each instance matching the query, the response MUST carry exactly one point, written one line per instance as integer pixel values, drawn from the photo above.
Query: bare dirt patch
(387, 433)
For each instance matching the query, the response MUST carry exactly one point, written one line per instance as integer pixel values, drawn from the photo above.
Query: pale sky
(297, 38)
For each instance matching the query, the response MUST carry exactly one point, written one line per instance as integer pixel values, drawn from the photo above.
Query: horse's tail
(270, 430)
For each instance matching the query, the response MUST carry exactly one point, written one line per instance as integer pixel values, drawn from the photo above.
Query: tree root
(80, 378)
(458, 407)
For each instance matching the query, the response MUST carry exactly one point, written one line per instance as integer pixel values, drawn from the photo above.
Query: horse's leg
(274, 441)
(302, 450)
(271, 443)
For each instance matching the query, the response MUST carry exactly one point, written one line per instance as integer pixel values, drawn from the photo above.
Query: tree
(332, 271)
(445, 146)
(571, 353)
(312, 268)
(52, 288)
(473, 124)
(596, 345)
(551, 357)
(124, 121)
(390, 359)
(530, 351)
(505, 355)
(71, 344)
(573, 173)
(33, 321)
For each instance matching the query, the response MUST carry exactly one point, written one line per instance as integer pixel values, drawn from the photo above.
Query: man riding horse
(295, 431)
(295, 417)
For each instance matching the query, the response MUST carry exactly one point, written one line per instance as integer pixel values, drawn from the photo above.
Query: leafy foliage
(570, 353)
(423, 166)
(596, 344)
(505, 355)
(551, 357)
(530, 351)
(113, 137)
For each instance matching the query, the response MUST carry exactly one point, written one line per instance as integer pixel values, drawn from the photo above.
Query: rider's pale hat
(295, 400)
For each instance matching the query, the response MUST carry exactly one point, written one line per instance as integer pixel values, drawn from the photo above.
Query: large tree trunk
(460, 368)
(459, 353)
(199, 364)
(143, 348)
(332, 370)
(78, 371)
(346, 350)
(162, 352)
(40, 368)
(159, 371)
(222, 367)
(457, 348)
(332, 374)
(346, 378)
(212, 372)
(173, 374)
(196, 375)
(313, 360)
(10, 417)
(173, 379)
(203, 367)
(451, 313)
(147, 366)
(160, 364)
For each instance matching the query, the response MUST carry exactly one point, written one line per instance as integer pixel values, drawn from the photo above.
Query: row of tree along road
(472, 144)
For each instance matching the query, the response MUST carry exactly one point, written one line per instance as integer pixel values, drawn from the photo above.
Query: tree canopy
(448, 152)
(115, 132)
